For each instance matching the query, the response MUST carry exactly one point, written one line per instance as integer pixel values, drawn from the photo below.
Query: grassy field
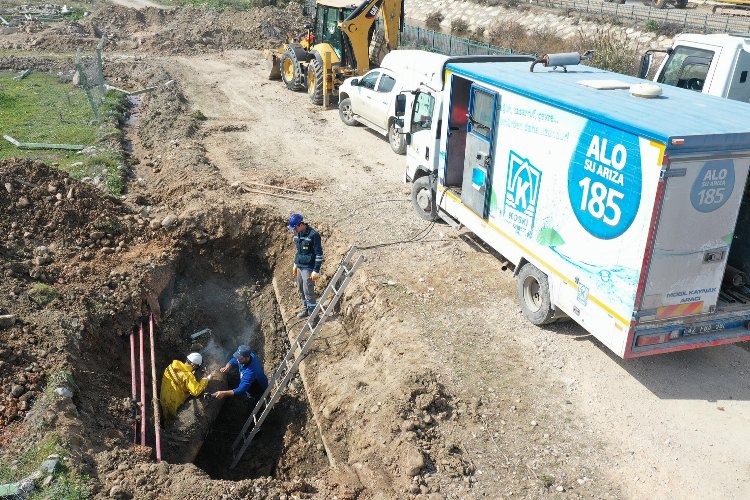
(40, 108)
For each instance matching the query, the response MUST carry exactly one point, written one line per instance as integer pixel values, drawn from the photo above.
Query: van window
(369, 80)
(386, 83)
(482, 112)
(422, 117)
(687, 68)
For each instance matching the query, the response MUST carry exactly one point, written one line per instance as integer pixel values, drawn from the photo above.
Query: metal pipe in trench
(134, 387)
(154, 398)
(143, 390)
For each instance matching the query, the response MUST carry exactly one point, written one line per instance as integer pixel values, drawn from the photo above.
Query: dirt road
(664, 427)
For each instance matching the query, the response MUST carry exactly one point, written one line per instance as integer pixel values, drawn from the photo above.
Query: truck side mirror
(645, 64)
(354, 83)
(400, 105)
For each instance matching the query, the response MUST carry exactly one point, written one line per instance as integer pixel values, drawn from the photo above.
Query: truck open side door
(477, 177)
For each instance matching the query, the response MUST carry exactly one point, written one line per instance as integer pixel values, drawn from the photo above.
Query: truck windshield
(422, 117)
(687, 68)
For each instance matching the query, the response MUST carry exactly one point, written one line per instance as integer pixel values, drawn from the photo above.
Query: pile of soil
(183, 30)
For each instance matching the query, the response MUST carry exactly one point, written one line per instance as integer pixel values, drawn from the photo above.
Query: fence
(414, 36)
(680, 18)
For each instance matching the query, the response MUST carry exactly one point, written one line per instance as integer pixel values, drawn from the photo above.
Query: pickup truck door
(477, 176)
(363, 106)
(382, 100)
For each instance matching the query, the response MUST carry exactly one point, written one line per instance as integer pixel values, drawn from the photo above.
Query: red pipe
(154, 398)
(143, 392)
(134, 388)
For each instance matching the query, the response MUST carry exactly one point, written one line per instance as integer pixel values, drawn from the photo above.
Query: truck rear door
(699, 206)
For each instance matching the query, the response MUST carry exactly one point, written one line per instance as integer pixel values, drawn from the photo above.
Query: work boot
(303, 313)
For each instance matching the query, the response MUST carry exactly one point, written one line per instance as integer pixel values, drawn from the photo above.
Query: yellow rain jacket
(177, 384)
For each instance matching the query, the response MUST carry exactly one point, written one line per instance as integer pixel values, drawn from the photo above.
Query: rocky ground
(430, 384)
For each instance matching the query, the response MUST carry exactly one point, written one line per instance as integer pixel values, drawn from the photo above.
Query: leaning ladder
(297, 352)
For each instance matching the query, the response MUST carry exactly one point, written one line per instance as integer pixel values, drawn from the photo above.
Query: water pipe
(154, 398)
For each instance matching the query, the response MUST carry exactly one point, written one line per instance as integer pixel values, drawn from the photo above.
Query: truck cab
(711, 64)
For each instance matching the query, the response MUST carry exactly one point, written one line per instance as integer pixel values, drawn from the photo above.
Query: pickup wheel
(346, 113)
(397, 141)
(291, 70)
(423, 199)
(315, 78)
(533, 295)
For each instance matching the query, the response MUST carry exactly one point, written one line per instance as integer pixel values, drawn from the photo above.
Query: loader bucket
(272, 63)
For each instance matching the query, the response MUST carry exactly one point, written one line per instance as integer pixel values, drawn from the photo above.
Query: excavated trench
(227, 288)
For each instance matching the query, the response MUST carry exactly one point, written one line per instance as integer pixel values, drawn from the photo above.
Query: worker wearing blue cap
(253, 382)
(307, 262)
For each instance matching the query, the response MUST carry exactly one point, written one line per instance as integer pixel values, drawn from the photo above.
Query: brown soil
(429, 384)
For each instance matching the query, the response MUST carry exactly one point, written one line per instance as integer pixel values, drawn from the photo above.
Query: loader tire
(291, 69)
(532, 288)
(423, 199)
(681, 4)
(315, 78)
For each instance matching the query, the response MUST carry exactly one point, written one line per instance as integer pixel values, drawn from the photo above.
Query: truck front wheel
(533, 295)
(423, 199)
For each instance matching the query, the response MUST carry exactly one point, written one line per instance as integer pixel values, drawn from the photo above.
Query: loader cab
(328, 15)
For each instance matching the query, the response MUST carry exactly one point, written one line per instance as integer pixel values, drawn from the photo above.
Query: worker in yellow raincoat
(178, 383)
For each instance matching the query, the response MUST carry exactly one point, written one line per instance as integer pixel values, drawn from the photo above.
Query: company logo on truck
(521, 194)
(604, 180)
(713, 186)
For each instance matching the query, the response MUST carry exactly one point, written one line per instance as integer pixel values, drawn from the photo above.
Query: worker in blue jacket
(307, 262)
(253, 381)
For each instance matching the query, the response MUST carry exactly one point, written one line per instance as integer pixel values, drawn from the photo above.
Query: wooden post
(99, 68)
(327, 72)
(154, 397)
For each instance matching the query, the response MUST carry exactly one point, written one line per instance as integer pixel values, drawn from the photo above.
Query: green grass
(43, 294)
(40, 108)
(67, 485)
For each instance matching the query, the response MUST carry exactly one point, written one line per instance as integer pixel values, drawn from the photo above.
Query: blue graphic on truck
(605, 181)
(521, 194)
(713, 186)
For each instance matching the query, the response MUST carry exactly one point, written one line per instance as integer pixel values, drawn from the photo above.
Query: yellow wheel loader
(341, 34)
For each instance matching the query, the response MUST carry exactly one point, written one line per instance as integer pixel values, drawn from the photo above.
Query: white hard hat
(195, 358)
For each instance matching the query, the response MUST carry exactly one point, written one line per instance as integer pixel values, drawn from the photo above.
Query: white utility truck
(613, 212)
(712, 64)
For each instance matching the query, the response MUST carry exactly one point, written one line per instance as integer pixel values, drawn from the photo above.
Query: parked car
(370, 99)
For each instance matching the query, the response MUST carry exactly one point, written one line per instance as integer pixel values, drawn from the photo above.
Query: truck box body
(629, 205)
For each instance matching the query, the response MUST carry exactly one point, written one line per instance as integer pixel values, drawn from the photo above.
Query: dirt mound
(185, 30)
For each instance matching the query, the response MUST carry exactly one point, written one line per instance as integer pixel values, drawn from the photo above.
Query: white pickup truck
(370, 99)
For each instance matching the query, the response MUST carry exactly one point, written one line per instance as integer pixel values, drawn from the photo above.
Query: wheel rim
(346, 110)
(395, 137)
(424, 200)
(531, 293)
(288, 70)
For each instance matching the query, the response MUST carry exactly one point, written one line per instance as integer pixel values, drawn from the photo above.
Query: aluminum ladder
(282, 376)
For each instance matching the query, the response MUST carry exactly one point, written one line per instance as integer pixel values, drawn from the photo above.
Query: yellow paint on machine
(567, 280)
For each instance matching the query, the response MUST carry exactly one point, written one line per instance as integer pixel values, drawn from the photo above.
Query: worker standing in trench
(307, 262)
(253, 381)
(178, 383)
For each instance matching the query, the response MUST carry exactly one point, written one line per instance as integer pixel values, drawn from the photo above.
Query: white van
(370, 99)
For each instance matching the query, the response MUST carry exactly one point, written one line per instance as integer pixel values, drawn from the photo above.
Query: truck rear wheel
(533, 295)
(291, 70)
(423, 199)
(396, 140)
(346, 113)
(681, 4)
(315, 78)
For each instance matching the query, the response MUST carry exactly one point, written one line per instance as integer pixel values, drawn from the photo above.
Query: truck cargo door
(477, 177)
(695, 229)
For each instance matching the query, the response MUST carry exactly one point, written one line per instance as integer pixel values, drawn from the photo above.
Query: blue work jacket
(249, 373)
(309, 249)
